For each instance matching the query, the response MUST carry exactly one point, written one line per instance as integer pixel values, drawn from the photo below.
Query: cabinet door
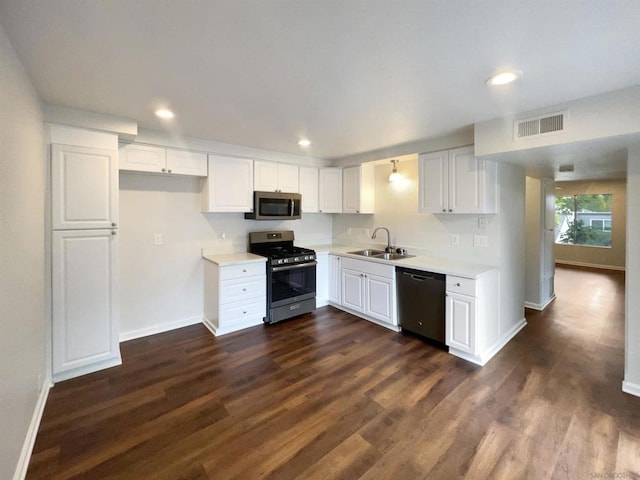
(351, 190)
(288, 178)
(353, 290)
(379, 297)
(330, 195)
(182, 162)
(433, 182)
(84, 301)
(142, 158)
(309, 189)
(460, 323)
(466, 181)
(84, 187)
(265, 176)
(229, 185)
(335, 279)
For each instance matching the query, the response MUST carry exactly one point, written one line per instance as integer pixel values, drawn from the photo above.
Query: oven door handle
(292, 267)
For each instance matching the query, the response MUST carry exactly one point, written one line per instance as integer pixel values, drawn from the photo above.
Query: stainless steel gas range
(291, 274)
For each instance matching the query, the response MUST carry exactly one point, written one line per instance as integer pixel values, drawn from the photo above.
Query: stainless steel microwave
(275, 206)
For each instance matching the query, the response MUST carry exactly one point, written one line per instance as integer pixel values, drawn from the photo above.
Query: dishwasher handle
(420, 278)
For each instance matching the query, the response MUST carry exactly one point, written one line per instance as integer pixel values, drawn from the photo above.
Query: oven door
(292, 283)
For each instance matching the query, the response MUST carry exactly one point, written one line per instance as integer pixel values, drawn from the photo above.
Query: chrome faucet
(389, 248)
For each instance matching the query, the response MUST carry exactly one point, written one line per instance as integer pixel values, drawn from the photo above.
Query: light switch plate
(157, 239)
(479, 240)
(455, 239)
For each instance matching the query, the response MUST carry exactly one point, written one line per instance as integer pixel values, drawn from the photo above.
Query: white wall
(23, 363)
(533, 245)
(161, 287)
(632, 311)
(607, 115)
(600, 257)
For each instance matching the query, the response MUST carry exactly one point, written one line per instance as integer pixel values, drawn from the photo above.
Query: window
(584, 220)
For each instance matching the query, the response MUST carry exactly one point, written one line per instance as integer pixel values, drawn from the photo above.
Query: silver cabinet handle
(450, 210)
(169, 170)
(444, 210)
(458, 284)
(244, 270)
(244, 312)
(244, 289)
(164, 170)
(114, 224)
(113, 232)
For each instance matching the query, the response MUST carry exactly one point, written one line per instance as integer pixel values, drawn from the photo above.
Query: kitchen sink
(367, 252)
(380, 254)
(393, 256)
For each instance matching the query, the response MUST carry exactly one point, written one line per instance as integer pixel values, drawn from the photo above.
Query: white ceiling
(351, 75)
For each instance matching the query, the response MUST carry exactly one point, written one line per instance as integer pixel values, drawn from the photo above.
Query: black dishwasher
(421, 303)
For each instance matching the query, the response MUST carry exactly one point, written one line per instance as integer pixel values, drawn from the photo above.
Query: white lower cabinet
(84, 302)
(368, 288)
(472, 327)
(335, 279)
(235, 296)
(322, 279)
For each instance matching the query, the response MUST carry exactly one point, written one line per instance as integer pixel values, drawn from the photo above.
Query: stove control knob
(296, 259)
(279, 261)
(306, 257)
(286, 260)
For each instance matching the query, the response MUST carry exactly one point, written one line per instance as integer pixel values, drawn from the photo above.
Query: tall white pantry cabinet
(84, 253)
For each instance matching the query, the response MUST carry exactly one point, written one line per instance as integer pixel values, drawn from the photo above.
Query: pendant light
(395, 176)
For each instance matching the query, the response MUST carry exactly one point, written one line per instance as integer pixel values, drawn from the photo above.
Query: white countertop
(419, 262)
(233, 258)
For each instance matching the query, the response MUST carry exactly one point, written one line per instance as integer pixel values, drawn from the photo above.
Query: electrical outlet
(479, 240)
(157, 239)
(223, 236)
(455, 239)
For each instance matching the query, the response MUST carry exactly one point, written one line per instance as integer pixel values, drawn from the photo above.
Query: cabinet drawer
(242, 270)
(237, 289)
(464, 286)
(239, 312)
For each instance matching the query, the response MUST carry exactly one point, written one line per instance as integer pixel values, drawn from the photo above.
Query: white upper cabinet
(358, 186)
(330, 194)
(183, 162)
(275, 177)
(455, 181)
(309, 189)
(84, 187)
(144, 158)
(229, 185)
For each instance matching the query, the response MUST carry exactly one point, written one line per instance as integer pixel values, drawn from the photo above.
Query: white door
(351, 190)
(84, 187)
(330, 186)
(265, 176)
(288, 180)
(309, 189)
(84, 301)
(142, 158)
(548, 240)
(466, 177)
(433, 182)
(182, 162)
(229, 186)
(460, 322)
(335, 279)
(379, 297)
(353, 290)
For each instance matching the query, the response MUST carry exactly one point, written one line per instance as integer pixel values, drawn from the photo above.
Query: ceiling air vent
(543, 125)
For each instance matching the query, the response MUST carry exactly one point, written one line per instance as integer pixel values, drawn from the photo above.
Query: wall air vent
(542, 125)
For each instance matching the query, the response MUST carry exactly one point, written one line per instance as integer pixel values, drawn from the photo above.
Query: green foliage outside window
(581, 220)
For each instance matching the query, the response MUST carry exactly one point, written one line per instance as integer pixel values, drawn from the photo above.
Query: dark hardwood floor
(328, 395)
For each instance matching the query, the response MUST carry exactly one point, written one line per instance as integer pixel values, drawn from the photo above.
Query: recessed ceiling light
(164, 113)
(503, 78)
(304, 142)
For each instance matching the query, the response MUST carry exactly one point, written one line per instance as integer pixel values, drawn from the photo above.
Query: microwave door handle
(291, 207)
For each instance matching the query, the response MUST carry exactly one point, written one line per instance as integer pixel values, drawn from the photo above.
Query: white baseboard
(631, 388)
(590, 265)
(86, 369)
(30, 440)
(217, 331)
(539, 306)
(484, 357)
(163, 327)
